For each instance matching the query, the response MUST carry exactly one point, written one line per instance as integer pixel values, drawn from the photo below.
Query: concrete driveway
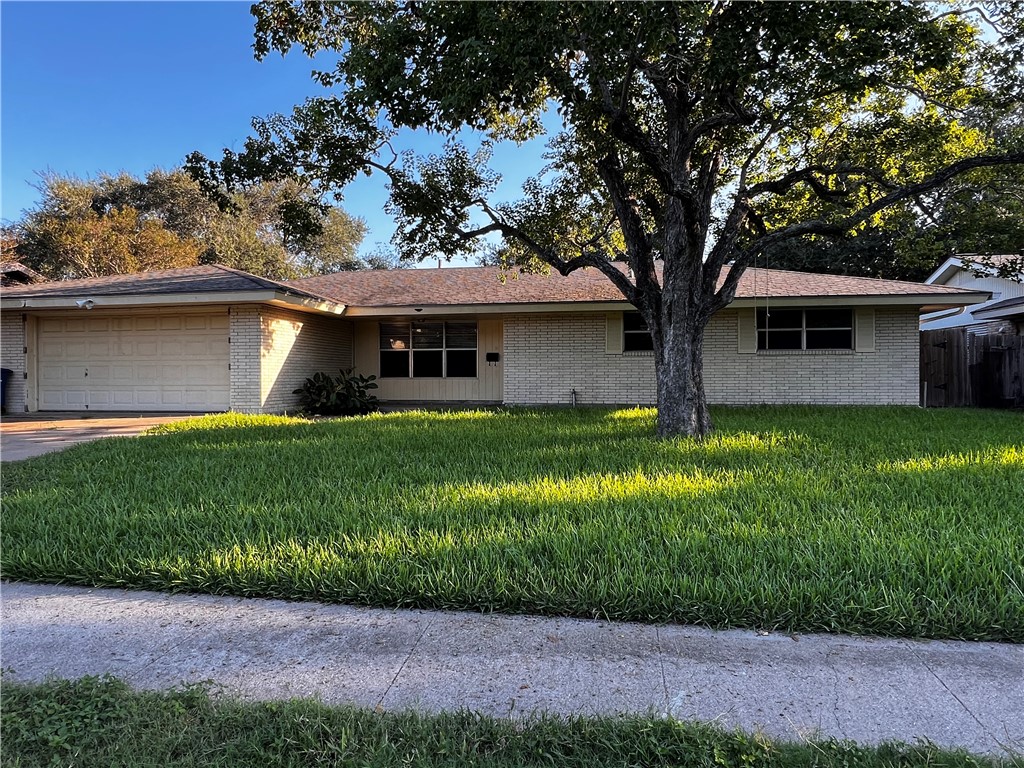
(22, 437)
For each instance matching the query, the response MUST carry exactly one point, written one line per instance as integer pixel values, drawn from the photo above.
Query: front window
(824, 328)
(428, 349)
(636, 336)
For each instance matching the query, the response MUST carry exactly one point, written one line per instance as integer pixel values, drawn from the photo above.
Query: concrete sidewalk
(968, 695)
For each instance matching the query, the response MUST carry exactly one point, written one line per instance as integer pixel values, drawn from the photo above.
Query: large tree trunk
(679, 367)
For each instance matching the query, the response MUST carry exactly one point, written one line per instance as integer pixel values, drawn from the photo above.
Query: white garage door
(134, 363)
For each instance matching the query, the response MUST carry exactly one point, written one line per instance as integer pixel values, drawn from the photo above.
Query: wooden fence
(960, 369)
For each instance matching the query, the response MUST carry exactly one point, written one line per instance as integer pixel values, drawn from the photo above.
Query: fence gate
(959, 368)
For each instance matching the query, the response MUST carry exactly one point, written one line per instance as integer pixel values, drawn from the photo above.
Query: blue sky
(104, 87)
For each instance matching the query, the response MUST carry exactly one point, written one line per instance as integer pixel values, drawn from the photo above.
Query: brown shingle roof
(483, 285)
(208, 278)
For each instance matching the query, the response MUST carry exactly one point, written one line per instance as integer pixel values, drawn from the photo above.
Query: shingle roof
(208, 278)
(483, 285)
(8, 268)
(995, 261)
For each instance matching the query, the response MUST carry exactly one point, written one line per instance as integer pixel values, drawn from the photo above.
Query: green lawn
(101, 722)
(893, 521)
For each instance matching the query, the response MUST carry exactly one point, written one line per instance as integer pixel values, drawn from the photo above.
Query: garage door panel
(171, 362)
(99, 398)
(99, 374)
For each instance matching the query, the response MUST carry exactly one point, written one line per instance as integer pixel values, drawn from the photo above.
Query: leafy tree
(694, 137)
(120, 224)
(76, 231)
(980, 212)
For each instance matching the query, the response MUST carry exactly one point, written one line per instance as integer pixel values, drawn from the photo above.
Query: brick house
(210, 338)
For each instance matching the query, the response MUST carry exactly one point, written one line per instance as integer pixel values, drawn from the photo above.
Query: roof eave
(129, 301)
(925, 302)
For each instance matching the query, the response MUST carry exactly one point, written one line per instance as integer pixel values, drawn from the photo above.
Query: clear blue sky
(104, 87)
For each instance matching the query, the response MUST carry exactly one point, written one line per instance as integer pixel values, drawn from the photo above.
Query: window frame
(635, 333)
(767, 329)
(444, 349)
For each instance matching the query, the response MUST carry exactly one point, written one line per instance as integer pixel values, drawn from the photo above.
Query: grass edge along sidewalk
(102, 721)
(888, 521)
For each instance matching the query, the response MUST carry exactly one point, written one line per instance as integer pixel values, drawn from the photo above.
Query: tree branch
(743, 260)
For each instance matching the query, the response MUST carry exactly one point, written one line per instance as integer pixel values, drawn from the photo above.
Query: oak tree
(686, 140)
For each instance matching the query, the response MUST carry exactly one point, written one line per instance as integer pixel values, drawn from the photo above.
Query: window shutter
(746, 332)
(864, 321)
(613, 333)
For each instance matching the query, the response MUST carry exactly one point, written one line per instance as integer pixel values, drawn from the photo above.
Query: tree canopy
(116, 224)
(688, 140)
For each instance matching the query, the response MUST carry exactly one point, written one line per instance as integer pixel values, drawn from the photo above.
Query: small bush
(347, 394)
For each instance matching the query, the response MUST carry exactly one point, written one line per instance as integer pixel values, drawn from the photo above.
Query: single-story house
(210, 338)
(1003, 313)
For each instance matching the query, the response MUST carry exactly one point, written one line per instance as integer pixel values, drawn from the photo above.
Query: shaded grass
(892, 521)
(102, 722)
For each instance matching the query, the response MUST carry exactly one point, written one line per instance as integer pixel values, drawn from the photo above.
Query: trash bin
(5, 376)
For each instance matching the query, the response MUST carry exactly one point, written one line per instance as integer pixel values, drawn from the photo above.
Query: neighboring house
(16, 273)
(1003, 313)
(211, 339)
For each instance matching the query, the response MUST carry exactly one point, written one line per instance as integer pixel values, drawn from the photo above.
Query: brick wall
(12, 355)
(245, 333)
(293, 347)
(547, 356)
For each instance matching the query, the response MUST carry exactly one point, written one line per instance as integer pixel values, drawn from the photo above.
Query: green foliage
(894, 521)
(108, 724)
(121, 224)
(796, 113)
(347, 394)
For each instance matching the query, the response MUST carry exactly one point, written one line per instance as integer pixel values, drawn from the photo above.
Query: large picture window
(428, 349)
(825, 328)
(636, 336)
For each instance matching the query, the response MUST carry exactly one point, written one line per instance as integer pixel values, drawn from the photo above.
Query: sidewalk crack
(960, 701)
(664, 677)
(415, 645)
(830, 662)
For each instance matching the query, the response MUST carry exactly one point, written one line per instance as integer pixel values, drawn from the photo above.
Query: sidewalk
(967, 695)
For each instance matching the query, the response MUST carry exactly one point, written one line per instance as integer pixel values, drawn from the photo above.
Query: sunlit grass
(887, 520)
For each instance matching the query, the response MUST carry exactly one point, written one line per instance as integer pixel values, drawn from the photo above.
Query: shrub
(347, 394)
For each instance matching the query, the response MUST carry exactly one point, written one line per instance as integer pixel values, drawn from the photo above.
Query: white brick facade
(245, 338)
(293, 347)
(273, 351)
(12, 356)
(548, 356)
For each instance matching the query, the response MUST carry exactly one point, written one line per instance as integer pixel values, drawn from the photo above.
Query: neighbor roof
(969, 262)
(14, 272)
(208, 278)
(486, 285)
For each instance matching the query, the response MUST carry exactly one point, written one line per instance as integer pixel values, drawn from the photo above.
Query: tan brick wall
(294, 346)
(547, 356)
(12, 355)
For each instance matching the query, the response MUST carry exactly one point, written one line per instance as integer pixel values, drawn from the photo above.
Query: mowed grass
(102, 722)
(893, 521)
